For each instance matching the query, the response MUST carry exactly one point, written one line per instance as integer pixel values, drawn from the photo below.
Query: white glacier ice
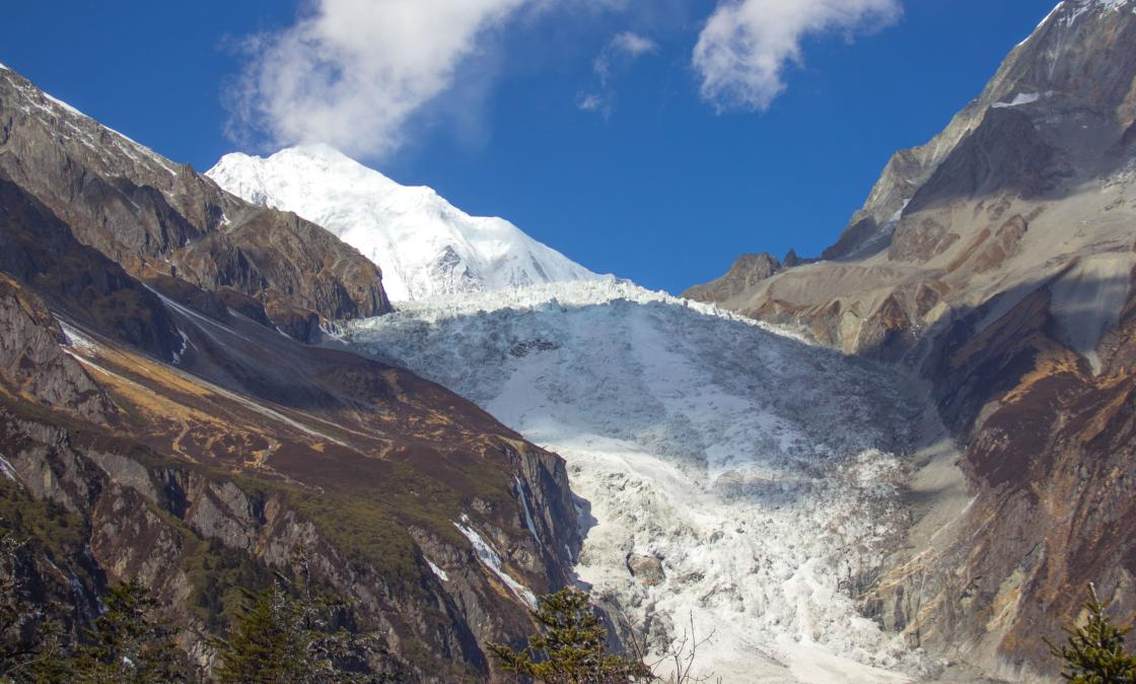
(424, 245)
(765, 474)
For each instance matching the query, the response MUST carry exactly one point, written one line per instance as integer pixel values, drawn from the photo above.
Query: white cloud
(619, 53)
(359, 74)
(745, 46)
(351, 73)
(633, 44)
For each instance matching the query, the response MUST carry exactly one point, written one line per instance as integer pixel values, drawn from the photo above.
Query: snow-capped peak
(424, 245)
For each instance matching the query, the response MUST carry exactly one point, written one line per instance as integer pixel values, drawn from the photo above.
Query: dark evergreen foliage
(292, 634)
(129, 643)
(1094, 653)
(570, 648)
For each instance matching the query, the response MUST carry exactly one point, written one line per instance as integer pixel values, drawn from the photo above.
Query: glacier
(765, 474)
(423, 244)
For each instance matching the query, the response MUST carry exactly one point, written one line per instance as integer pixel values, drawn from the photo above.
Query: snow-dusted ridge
(424, 245)
(1078, 8)
(764, 473)
(74, 124)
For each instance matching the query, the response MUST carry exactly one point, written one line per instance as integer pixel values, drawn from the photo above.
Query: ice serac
(424, 245)
(997, 261)
(732, 475)
(156, 425)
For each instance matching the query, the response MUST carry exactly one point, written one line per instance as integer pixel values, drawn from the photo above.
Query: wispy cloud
(352, 73)
(633, 44)
(590, 102)
(619, 53)
(745, 46)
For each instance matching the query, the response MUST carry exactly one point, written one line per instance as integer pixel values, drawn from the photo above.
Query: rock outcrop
(743, 276)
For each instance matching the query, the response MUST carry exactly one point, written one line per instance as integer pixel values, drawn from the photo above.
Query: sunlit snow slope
(759, 470)
(424, 245)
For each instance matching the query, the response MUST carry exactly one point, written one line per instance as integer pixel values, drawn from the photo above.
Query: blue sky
(656, 182)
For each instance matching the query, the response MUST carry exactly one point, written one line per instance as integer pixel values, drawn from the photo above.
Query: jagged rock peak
(747, 271)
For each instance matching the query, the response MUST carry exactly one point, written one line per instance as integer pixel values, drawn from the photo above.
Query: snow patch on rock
(492, 560)
(1019, 100)
(525, 506)
(76, 339)
(440, 573)
(8, 471)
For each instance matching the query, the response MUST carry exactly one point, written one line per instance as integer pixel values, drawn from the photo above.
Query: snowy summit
(424, 245)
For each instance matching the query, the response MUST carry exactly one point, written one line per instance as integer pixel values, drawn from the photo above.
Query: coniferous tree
(1094, 653)
(128, 642)
(267, 644)
(291, 635)
(570, 648)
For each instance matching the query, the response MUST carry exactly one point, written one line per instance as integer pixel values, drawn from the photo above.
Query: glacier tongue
(424, 245)
(759, 470)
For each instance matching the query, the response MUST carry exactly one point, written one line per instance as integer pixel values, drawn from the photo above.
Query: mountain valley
(901, 461)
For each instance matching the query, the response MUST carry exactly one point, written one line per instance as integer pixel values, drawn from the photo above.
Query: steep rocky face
(151, 216)
(1033, 174)
(34, 366)
(997, 262)
(167, 431)
(39, 249)
(1072, 78)
(1049, 461)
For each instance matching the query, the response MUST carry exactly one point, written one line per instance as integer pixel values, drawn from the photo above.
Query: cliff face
(159, 427)
(1049, 460)
(997, 263)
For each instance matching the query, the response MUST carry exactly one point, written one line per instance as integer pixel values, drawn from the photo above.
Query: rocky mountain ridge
(154, 217)
(997, 263)
(156, 425)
